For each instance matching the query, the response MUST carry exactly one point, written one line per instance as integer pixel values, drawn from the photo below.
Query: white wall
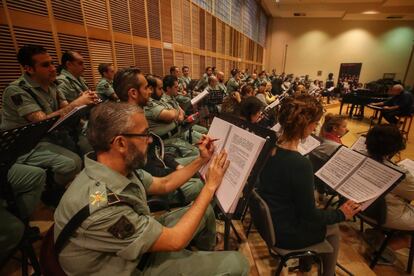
(323, 44)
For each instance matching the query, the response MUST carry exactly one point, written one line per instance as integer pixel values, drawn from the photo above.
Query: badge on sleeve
(106, 85)
(122, 229)
(17, 99)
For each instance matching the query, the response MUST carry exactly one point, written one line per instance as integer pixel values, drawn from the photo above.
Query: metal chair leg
(249, 228)
(378, 253)
(280, 267)
(344, 269)
(411, 255)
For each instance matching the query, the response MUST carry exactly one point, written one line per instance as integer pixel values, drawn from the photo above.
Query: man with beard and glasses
(131, 86)
(124, 239)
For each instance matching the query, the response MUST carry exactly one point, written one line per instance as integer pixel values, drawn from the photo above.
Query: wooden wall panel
(142, 58)
(209, 32)
(202, 64)
(96, 13)
(138, 17)
(186, 23)
(202, 29)
(154, 19)
(214, 35)
(209, 61)
(101, 52)
(10, 68)
(227, 39)
(196, 74)
(195, 25)
(31, 6)
(166, 21)
(187, 60)
(219, 37)
(156, 61)
(177, 17)
(124, 55)
(168, 60)
(79, 44)
(68, 10)
(179, 59)
(119, 16)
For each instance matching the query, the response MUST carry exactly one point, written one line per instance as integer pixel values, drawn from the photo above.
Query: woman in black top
(286, 184)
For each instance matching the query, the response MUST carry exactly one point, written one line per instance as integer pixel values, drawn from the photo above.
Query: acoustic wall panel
(196, 74)
(138, 17)
(202, 29)
(156, 60)
(186, 22)
(154, 19)
(68, 10)
(142, 58)
(119, 16)
(124, 55)
(166, 21)
(236, 14)
(177, 17)
(195, 24)
(101, 52)
(168, 60)
(31, 6)
(209, 32)
(222, 9)
(179, 59)
(96, 13)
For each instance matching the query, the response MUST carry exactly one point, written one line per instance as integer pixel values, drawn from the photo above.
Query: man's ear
(133, 94)
(29, 69)
(120, 144)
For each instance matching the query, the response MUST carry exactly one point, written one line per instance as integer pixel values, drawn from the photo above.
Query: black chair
(389, 233)
(261, 217)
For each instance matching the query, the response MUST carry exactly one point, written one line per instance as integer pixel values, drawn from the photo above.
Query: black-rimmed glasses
(147, 134)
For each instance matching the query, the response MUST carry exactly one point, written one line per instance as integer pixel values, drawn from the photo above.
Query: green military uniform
(17, 104)
(27, 183)
(169, 132)
(197, 131)
(104, 89)
(183, 100)
(232, 85)
(185, 81)
(113, 239)
(222, 87)
(202, 83)
(70, 86)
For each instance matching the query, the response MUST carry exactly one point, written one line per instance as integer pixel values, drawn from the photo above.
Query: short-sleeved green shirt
(222, 88)
(185, 81)
(104, 89)
(152, 111)
(18, 102)
(70, 86)
(232, 85)
(113, 238)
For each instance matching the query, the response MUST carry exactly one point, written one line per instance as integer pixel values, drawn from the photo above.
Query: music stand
(14, 143)
(241, 208)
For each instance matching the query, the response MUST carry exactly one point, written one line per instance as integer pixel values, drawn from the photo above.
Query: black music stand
(14, 143)
(241, 208)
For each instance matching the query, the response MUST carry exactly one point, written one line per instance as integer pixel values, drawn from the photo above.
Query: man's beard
(155, 96)
(135, 159)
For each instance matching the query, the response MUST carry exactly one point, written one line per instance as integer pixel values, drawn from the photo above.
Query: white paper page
(199, 97)
(408, 164)
(370, 181)
(243, 149)
(219, 129)
(66, 117)
(339, 166)
(273, 104)
(308, 145)
(360, 146)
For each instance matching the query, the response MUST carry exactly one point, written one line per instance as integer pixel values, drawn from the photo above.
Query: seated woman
(393, 211)
(286, 184)
(333, 128)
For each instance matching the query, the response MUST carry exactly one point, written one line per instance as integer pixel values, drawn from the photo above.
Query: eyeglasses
(47, 64)
(147, 134)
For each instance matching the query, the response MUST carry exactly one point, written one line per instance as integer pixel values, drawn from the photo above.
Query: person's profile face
(341, 129)
(77, 66)
(110, 73)
(144, 91)
(186, 71)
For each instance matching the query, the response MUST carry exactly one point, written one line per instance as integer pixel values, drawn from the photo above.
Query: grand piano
(361, 98)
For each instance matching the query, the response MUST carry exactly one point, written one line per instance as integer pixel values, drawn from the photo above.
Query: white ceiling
(345, 9)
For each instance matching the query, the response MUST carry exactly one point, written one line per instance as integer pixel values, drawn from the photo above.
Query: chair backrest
(262, 219)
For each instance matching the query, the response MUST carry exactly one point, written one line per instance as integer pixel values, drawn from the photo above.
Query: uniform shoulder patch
(122, 229)
(17, 99)
(106, 85)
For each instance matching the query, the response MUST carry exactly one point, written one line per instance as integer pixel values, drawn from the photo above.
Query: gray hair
(108, 120)
(398, 87)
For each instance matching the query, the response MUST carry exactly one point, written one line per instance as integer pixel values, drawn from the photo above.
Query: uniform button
(97, 184)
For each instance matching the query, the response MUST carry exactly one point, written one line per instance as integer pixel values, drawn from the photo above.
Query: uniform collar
(108, 81)
(68, 74)
(29, 82)
(167, 97)
(112, 179)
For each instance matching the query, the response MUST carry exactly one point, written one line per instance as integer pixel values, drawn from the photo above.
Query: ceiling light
(370, 12)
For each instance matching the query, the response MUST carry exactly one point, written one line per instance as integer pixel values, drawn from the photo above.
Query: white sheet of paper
(276, 128)
(243, 148)
(340, 166)
(199, 97)
(273, 104)
(408, 164)
(369, 181)
(308, 145)
(360, 146)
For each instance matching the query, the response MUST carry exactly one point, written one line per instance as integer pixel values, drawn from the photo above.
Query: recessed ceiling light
(370, 12)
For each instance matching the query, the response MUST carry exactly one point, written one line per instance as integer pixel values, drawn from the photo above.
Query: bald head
(396, 89)
(220, 76)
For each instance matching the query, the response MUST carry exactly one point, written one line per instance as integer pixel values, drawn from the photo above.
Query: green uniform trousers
(198, 263)
(190, 191)
(64, 163)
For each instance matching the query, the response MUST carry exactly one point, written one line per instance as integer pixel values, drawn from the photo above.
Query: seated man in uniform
(33, 97)
(182, 97)
(233, 83)
(104, 87)
(221, 85)
(203, 81)
(401, 103)
(131, 86)
(124, 239)
(170, 86)
(185, 79)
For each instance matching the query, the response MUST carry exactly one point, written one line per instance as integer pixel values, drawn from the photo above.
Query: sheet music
(273, 104)
(340, 166)
(276, 128)
(360, 146)
(243, 149)
(199, 97)
(67, 116)
(308, 145)
(369, 181)
(408, 164)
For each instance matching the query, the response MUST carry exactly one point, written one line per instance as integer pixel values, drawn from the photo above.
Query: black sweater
(286, 184)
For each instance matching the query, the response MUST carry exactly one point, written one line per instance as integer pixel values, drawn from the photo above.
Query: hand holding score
(216, 171)
(350, 209)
